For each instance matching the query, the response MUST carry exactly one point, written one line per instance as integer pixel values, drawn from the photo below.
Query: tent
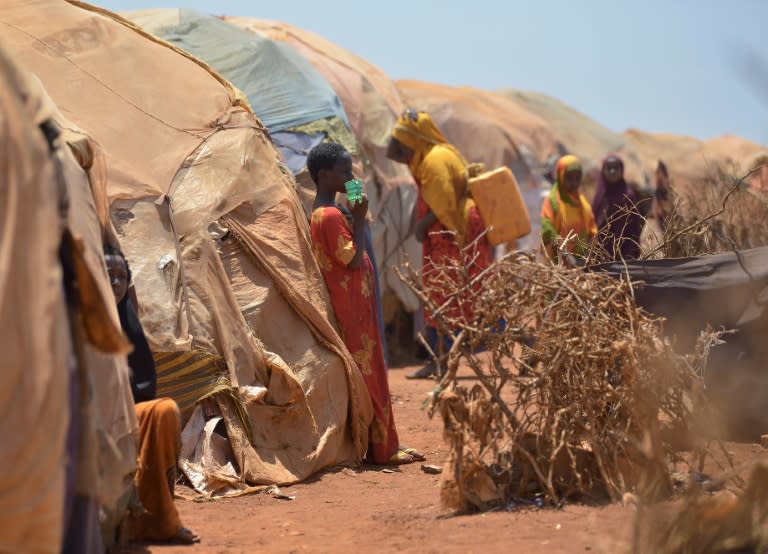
(214, 232)
(290, 96)
(689, 160)
(35, 339)
(74, 378)
(372, 104)
(295, 103)
(581, 135)
(727, 291)
(370, 99)
(491, 129)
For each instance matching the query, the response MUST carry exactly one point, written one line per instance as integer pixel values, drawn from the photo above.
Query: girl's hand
(359, 209)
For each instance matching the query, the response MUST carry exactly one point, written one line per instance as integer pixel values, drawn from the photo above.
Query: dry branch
(586, 408)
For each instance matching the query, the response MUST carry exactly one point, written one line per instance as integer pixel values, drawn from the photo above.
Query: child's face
(118, 275)
(340, 174)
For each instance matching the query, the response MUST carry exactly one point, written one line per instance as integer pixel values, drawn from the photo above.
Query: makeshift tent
(372, 103)
(293, 99)
(691, 161)
(726, 291)
(283, 88)
(83, 341)
(579, 134)
(214, 232)
(370, 99)
(490, 129)
(35, 338)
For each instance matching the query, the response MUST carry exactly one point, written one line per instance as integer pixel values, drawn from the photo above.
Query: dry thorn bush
(719, 214)
(700, 522)
(578, 392)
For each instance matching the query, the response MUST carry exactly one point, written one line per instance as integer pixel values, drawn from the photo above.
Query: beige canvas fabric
(183, 151)
(106, 457)
(372, 103)
(35, 340)
(579, 134)
(371, 100)
(689, 160)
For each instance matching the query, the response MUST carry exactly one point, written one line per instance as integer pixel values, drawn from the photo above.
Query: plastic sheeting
(579, 134)
(295, 148)
(283, 88)
(372, 103)
(35, 339)
(370, 99)
(195, 155)
(689, 160)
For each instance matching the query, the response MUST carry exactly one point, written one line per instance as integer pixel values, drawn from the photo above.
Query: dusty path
(376, 511)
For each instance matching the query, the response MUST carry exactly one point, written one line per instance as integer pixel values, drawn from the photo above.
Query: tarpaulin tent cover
(690, 160)
(372, 103)
(370, 99)
(579, 134)
(35, 338)
(183, 155)
(282, 87)
(728, 290)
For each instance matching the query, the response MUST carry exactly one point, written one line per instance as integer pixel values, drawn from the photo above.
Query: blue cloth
(283, 88)
(295, 148)
(379, 307)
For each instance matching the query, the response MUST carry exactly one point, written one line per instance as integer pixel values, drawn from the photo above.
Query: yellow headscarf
(417, 131)
(441, 172)
(564, 165)
(564, 211)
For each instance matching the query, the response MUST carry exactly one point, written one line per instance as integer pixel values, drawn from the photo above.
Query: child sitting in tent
(338, 242)
(159, 423)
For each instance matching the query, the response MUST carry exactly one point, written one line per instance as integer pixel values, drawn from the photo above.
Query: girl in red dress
(338, 243)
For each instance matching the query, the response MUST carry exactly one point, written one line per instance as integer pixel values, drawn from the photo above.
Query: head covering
(567, 163)
(417, 131)
(616, 214)
(565, 211)
(611, 193)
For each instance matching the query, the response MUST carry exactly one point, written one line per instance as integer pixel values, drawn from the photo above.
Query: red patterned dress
(354, 303)
(440, 248)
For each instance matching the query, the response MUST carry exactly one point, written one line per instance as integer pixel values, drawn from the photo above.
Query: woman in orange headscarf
(448, 223)
(566, 210)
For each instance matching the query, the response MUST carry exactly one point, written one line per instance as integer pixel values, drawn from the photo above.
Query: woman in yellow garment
(448, 223)
(566, 210)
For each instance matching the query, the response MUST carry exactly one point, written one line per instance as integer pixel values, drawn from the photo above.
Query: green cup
(354, 188)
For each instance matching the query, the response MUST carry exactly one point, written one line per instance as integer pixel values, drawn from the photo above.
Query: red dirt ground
(371, 510)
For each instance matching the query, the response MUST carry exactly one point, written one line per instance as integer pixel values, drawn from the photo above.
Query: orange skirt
(159, 444)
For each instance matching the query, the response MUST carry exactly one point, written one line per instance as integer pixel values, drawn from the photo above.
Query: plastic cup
(354, 188)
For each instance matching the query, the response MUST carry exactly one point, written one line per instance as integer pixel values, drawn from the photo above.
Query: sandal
(418, 456)
(184, 536)
(405, 456)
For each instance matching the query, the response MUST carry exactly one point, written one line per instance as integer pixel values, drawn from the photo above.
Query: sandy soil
(372, 510)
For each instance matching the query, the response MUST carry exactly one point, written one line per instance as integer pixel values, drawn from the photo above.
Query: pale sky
(678, 66)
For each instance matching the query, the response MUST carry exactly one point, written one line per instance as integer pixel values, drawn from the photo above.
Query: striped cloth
(186, 377)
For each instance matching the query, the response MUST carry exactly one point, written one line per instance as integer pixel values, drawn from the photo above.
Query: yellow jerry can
(501, 205)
